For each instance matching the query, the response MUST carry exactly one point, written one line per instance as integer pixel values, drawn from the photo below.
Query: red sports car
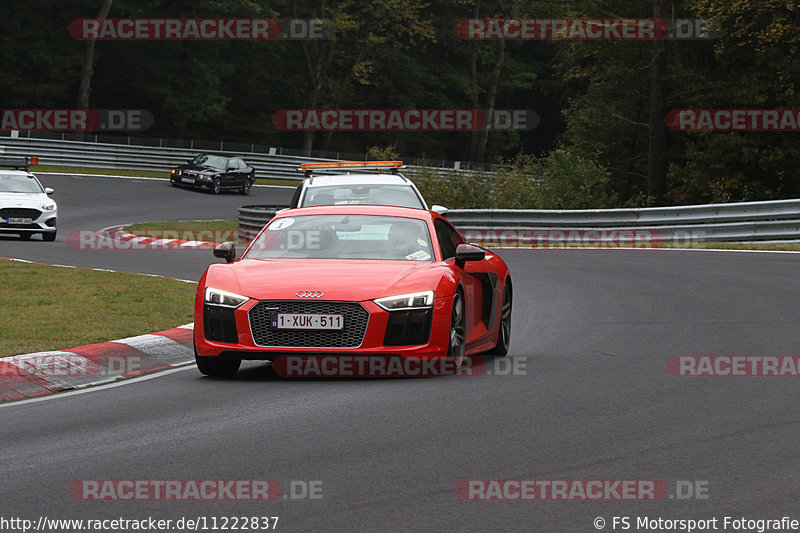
(352, 279)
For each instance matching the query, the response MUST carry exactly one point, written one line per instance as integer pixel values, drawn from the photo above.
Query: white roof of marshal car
(15, 172)
(323, 180)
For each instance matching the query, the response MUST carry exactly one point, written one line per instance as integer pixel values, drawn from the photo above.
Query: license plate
(306, 321)
(187, 180)
(20, 220)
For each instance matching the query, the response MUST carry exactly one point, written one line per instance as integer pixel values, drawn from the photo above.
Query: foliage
(594, 98)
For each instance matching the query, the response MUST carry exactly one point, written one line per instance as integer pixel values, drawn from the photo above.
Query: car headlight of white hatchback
(224, 298)
(49, 206)
(416, 300)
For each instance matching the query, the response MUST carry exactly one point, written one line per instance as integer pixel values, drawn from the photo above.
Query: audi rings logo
(309, 294)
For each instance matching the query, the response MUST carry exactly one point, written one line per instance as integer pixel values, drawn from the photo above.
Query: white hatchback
(25, 206)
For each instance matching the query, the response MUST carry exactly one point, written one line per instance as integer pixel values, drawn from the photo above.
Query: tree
(88, 63)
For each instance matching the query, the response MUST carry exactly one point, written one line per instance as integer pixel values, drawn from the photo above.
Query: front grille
(351, 336)
(20, 212)
(408, 328)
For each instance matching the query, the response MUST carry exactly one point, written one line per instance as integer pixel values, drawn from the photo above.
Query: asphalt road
(592, 332)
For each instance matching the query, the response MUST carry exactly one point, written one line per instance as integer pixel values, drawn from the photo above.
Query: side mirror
(48, 190)
(442, 210)
(226, 251)
(468, 252)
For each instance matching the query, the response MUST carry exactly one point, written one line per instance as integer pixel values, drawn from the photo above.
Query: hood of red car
(338, 279)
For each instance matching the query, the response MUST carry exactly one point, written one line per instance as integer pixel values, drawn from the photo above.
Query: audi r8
(355, 279)
(214, 173)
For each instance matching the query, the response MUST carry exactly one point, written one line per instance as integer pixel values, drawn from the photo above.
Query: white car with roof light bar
(25, 206)
(351, 182)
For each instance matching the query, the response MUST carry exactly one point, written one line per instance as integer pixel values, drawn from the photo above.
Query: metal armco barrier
(123, 156)
(116, 156)
(745, 221)
(253, 217)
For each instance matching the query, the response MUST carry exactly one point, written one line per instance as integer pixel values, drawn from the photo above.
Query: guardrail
(645, 227)
(117, 156)
(156, 158)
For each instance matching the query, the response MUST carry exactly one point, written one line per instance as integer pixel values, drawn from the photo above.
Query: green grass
(190, 225)
(54, 308)
(188, 230)
(784, 246)
(61, 169)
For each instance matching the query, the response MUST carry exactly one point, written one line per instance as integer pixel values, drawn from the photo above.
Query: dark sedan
(215, 173)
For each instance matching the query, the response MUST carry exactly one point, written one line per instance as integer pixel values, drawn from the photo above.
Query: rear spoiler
(19, 163)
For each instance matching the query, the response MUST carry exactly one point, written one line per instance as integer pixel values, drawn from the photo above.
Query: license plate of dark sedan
(187, 180)
(306, 321)
(20, 220)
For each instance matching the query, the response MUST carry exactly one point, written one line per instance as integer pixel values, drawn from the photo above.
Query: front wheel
(248, 184)
(217, 367)
(458, 331)
(216, 186)
(50, 236)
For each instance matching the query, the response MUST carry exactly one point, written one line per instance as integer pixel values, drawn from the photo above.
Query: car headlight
(417, 300)
(224, 298)
(178, 172)
(49, 206)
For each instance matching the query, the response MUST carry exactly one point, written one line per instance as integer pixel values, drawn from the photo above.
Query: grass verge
(777, 246)
(54, 308)
(190, 230)
(61, 169)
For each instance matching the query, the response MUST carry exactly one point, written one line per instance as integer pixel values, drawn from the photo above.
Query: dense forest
(602, 138)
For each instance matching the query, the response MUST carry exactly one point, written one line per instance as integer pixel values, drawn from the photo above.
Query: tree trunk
(85, 87)
(659, 136)
(491, 97)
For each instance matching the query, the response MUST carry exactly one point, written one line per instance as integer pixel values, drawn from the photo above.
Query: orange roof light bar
(351, 164)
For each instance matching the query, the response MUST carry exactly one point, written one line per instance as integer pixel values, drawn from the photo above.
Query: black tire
(504, 334)
(457, 343)
(217, 367)
(248, 184)
(50, 236)
(25, 236)
(216, 186)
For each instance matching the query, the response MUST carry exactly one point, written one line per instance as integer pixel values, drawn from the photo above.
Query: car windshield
(209, 160)
(394, 195)
(19, 183)
(344, 237)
